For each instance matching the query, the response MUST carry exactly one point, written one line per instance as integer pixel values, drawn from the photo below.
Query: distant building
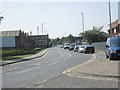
(115, 28)
(14, 39)
(39, 41)
(20, 39)
(78, 40)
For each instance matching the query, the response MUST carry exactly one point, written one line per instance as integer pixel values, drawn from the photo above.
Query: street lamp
(82, 21)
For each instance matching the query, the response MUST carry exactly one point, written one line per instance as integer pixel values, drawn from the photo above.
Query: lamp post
(82, 21)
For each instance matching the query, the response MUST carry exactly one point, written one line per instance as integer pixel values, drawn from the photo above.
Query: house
(14, 39)
(115, 28)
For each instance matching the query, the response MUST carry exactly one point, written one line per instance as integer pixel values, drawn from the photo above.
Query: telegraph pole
(42, 36)
(38, 30)
(110, 19)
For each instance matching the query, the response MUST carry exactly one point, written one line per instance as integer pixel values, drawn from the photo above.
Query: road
(29, 73)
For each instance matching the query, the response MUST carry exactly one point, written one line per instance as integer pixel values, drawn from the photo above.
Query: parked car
(66, 46)
(89, 49)
(71, 47)
(113, 48)
(76, 48)
(81, 48)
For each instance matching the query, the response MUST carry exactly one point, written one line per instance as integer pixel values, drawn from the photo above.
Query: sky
(58, 18)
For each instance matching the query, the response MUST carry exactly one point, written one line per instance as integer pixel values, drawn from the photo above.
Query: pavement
(98, 66)
(3, 63)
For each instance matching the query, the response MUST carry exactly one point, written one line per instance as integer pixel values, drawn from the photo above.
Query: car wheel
(107, 56)
(110, 57)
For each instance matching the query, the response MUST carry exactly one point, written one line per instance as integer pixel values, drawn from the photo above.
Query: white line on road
(27, 70)
(65, 58)
(53, 63)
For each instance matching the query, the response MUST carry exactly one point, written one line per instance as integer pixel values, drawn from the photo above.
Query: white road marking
(69, 55)
(65, 58)
(9, 70)
(53, 63)
(60, 53)
(27, 70)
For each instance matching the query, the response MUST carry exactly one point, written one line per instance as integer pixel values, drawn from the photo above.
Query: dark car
(89, 49)
(66, 46)
(113, 48)
(71, 47)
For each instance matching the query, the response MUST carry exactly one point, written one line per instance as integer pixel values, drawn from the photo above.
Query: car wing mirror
(107, 46)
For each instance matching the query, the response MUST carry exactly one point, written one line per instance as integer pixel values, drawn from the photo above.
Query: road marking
(72, 68)
(53, 59)
(66, 72)
(27, 70)
(53, 63)
(65, 58)
(10, 70)
(31, 65)
(59, 52)
(69, 55)
(93, 58)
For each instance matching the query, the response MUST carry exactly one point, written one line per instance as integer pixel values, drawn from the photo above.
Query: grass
(8, 54)
(16, 57)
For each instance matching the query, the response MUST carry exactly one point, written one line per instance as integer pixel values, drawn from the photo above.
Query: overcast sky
(58, 17)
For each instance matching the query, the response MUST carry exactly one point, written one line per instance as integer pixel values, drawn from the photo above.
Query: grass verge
(10, 54)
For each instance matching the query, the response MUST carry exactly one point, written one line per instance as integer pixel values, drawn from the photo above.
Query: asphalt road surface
(64, 81)
(28, 74)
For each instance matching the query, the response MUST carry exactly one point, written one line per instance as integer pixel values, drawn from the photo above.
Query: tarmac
(96, 68)
(40, 54)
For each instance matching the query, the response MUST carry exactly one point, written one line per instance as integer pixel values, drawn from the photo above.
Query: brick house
(115, 28)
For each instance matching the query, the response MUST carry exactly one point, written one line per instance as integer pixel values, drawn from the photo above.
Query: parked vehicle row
(80, 48)
(112, 51)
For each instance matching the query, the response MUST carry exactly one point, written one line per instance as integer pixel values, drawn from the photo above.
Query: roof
(10, 33)
(115, 23)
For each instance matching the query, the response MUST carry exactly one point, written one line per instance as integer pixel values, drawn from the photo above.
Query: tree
(68, 39)
(94, 35)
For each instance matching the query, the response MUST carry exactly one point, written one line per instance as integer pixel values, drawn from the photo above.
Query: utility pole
(42, 28)
(42, 36)
(110, 19)
(38, 30)
(82, 21)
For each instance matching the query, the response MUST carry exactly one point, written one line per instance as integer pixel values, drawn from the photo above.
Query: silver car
(81, 48)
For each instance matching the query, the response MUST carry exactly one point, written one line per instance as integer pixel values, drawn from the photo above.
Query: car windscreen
(115, 42)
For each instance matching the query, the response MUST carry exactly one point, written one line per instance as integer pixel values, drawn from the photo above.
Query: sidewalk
(97, 66)
(24, 59)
